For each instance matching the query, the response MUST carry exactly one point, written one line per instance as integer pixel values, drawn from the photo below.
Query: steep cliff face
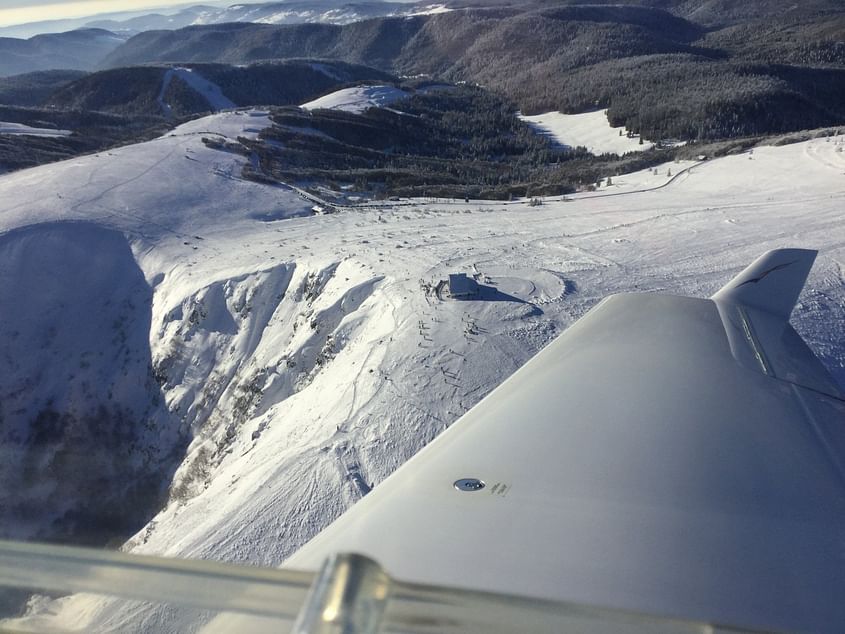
(88, 444)
(228, 353)
(95, 419)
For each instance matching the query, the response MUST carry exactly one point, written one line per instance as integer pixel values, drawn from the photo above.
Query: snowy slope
(591, 130)
(19, 128)
(309, 357)
(358, 98)
(78, 393)
(87, 445)
(171, 186)
(210, 91)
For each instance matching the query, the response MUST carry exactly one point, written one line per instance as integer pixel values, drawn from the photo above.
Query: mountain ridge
(607, 52)
(73, 50)
(144, 89)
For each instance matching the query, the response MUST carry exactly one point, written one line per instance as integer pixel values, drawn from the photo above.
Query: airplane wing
(676, 456)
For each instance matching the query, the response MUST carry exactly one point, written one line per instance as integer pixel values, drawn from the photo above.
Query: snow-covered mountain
(293, 12)
(288, 12)
(358, 98)
(296, 360)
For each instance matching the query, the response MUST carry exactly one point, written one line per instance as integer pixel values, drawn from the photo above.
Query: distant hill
(671, 69)
(142, 90)
(666, 68)
(688, 96)
(373, 42)
(816, 42)
(76, 50)
(120, 90)
(721, 13)
(428, 43)
(289, 12)
(292, 12)
(125, 105)
(33, 89)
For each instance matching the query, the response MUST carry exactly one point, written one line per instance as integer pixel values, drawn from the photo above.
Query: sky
(22, 11)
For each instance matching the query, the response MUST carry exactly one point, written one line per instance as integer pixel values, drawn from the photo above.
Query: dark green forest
(448, 142)
(690, 69)
(119, 106)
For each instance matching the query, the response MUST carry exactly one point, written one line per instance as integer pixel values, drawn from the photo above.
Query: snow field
(311, 356)
(591, 130)
(357, 99)
(165, 187)
(21, 129)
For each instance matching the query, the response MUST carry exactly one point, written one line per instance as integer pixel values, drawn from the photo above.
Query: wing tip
(772, 282)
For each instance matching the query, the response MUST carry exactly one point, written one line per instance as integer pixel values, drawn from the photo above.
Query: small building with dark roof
(461, 286)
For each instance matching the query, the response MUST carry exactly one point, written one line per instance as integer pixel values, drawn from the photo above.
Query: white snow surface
(432, 9)
(19, 128)
(277, 13)
(648, 179)
(164, 188)
(210, 91)
(591, 130)
(357, 99)
(305, 356)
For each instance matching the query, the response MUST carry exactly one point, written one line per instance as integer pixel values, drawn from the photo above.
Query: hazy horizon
(15, 12)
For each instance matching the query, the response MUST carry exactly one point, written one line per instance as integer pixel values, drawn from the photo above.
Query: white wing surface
(676, 456)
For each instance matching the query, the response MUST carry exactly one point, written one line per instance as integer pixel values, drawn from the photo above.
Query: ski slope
(303, 359)
(357, 99)
(591, 130)
(210, 91)
(19, 128)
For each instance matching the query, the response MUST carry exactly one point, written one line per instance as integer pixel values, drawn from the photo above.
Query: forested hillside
(143, 89)
(33, 89)
(79, 50)
(118, 106)
(90, 132)
(446, 141)
(703, 69)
